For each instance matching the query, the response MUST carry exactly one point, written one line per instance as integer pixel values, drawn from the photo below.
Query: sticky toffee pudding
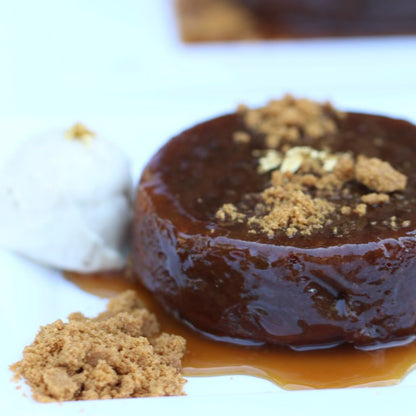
(292, 224)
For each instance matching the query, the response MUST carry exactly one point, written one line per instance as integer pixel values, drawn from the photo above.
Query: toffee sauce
(338, 367)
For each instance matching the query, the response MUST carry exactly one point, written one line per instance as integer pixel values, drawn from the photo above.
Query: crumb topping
(378, 175)
(118, 354)
(375, 198)
(241, 137)
(346, 210)
(289, 119)
(79, 132)
(360, 209)
(307, 186)
(288, 207)
(229, 212)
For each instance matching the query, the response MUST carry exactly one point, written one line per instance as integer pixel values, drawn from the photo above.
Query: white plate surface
(120, 68)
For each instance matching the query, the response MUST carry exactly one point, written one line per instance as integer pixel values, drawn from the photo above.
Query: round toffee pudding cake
(290, 224)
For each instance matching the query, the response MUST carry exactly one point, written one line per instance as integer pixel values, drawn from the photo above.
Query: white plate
(119, 67)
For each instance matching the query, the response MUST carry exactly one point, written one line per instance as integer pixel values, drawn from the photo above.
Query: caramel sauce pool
(330, 368)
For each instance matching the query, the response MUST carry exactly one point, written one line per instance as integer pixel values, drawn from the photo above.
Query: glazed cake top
(294, 173)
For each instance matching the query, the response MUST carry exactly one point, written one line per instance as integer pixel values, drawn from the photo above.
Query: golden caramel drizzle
(292, 370)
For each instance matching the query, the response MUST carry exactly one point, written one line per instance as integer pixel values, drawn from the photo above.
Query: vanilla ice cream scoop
(66, 201)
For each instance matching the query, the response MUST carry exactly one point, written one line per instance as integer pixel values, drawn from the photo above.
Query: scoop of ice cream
(65, 201)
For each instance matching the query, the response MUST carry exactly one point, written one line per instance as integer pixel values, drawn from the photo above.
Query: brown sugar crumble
(288, 119)
(360, 210)
(290, 208)
(345, 210)
(378, 175)
(375, 198)
(229, 212)
(118, 354)
(306, 183)
(241, 137)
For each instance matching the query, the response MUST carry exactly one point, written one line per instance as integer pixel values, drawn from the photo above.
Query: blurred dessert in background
(222, 20)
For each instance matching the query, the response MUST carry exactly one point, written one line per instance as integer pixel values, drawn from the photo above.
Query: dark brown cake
(336, 18)
(203, 246)
(216, 20)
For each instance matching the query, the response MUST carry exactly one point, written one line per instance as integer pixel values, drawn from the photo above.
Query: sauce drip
(330, 368)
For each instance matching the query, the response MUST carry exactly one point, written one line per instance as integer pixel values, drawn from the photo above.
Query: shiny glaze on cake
(304, 291)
